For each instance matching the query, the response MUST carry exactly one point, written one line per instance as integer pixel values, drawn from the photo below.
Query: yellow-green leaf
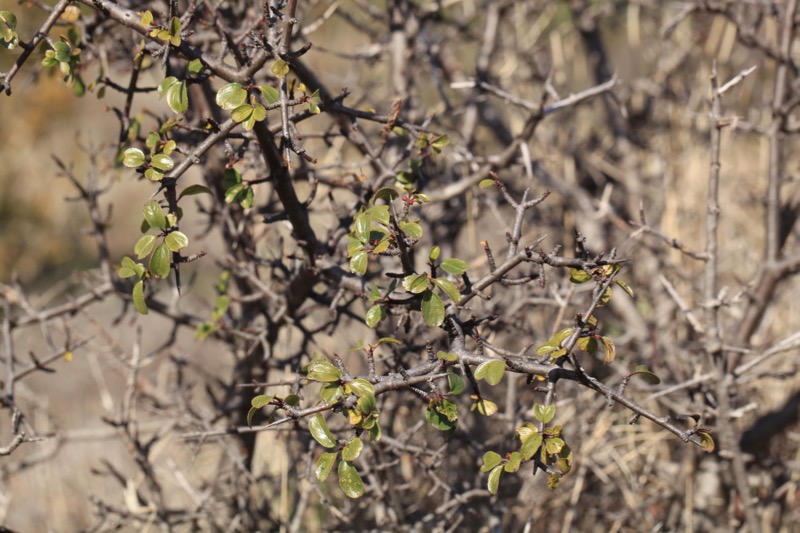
(349, 480)
(324, 465)
(319, 430)
(280, 68)
(160, 261)
(138, 297)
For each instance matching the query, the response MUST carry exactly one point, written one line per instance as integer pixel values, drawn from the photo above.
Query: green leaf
(491, 371)
(362, 387)
(485, 184)
(553, 445)
(379, 213)
(361, 227)
(514, 460)
(412, 229)
(162, 162)
(176, 240)
(9, 19)
(544, 413)
(374, 293)
(624, 286)
(147, 18)
(280, 68)
(375, 314)
(446, 356)
(194, 66)
(358, 263)
(232, 194)
(154, 216)
(231, 96)
(530, 446)
(331, 392)
(191, 190)
(433, 255)
(133, 158)
(270, 94)
(169, 147)
(490, 460)
(440, 143)
(175, 31)
(647, 375)
(494, 479)
(386, 194)
(577, 275)
(448, 288)
(415, 283)
(164, 86)
(352, 449)
(178, 97)
(442, 415)
(138, 297)
(160, 261)
(484, 407)
(454, 383)
(454, 266)
(249, 197)
(153, 174)
(324, 465)
(242, 113)
(367, 404)
(553, 480)
(255, 405)
(432, 309)
(349, 480)
(319, 430)
(144, 246)
(387, 340)
(323, 371)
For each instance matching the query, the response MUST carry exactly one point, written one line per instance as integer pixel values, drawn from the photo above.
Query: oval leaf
(162, 162)
(324, 465)
(159, 261)
(194, 189)
(454, 266)
(144, 246)
(231, 96)
(154, 216)
(544, 413)
(133, 158)
(319, 430)
(352, 449)
(178, 98)
(490, 460)
(491, 371)
(349, 480)
(138, 297)
(375, 314)
(494, 479)
(432, 309)
(176, 240)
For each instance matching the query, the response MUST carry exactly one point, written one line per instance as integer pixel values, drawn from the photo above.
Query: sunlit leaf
(609, 348)
(531, 445)
(577, 275)
(323, 371)
(490, 460)
(513, 463)
(491, 371)
(178, 97)
(144, 246)
(162, 162)
(280, 68)
(324, 465)
(319, 430)
(448, 288)
(352, 449)
(374, 315)
(191, 190)
(231, 96)
(646, 374)
(455, 383)
(494, 479)
(154, 215)
(415, 283)
(485, 184)
(544, 413)
(138, 297)
(625, 287)
(176, 240)
(433, 255)
(707, 441)
(270, 94)
(433, 310)
(133, 158)
(256, 404)
(349, 480)
(361, 387)
(454, 266)
(445, 356)
(358, 263)
(160, 261)
(412, 229)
